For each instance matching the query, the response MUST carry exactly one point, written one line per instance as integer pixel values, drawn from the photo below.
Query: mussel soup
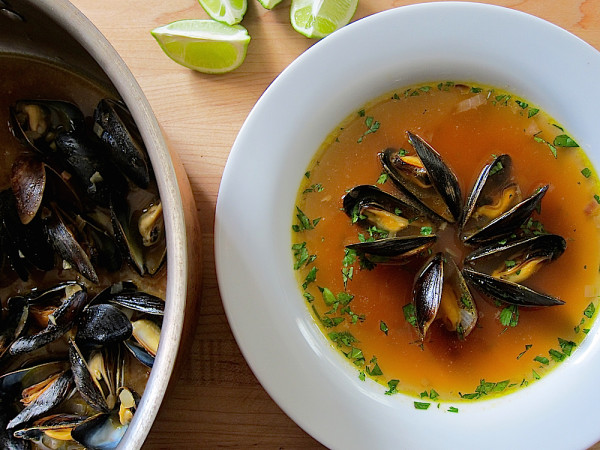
(445, 239)
(82, 260)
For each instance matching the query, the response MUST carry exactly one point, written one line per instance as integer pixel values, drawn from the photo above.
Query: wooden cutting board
(217, 401)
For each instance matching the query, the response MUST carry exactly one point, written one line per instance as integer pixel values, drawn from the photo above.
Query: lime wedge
(204, 45)
(318, 18)
(269, 4)
(226, 11)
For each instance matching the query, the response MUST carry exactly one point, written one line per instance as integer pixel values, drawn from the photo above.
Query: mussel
(440, 292)
(425, 179)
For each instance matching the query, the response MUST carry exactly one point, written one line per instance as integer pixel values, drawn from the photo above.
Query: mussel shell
(368, 194)
(100, 180)
(427, 293)
(100, 432)
(103, 324)
(486, 183)
(395, 249)
(14, 324)
(54, 422)
(52, 396)
(28, 240)
(64, 319)
(139, 301)
(7, 439)
(28, 181)
(445, 201)
(87, 387)
(126, 236)
(547, 245)
(507, 291)
(507, 223)
(58, 116)
(14, 382)
(115, 127)
(67, 246)
(140, 353)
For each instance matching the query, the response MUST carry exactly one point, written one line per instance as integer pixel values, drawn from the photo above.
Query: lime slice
(269, 4)
(318, 18)
(226, 11)
(204, 45)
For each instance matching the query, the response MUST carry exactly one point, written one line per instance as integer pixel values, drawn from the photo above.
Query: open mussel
(39, 122)
(498, 270)
(49, 430)
(394, 250)
(425, 179)
(440, 292)
(508, 222)
(370, 205)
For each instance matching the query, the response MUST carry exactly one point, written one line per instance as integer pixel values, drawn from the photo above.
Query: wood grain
(216, 401)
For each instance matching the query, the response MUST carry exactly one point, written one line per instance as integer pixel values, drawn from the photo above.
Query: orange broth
(466, 127)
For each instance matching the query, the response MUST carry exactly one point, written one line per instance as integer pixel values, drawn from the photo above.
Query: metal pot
(55, 30)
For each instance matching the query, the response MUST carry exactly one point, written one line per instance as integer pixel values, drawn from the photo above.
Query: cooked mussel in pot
(82, 274)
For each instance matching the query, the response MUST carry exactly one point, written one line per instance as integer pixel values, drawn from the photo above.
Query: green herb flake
(556, 355)
(361, 113)
(589, 311)
(497, 168)
(527, 347)
(313, 188)
(535, 375)
(309, 297)
(382, 178)
(453, 409)
(426, 231)
(375, 371)
(566, 346)
(510, 263)
(383, 327)
(476, 90)
(342, 338)
(422, 405)
(410, 314)
(542, 360)
(532, 112)
(304, 222)
(310, 277)
(509, 316)
(522, 104)
(586, 172)
(393, 387)
(563, 140)
(372, 126)
(361, 375)
(307, 174)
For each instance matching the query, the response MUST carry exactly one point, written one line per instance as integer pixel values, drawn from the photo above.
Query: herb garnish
(485, 388)
(305, 222)
(383, 327)
(422, 405)
(303, 258)
(393, 387)
(586, 172)
(372, 126)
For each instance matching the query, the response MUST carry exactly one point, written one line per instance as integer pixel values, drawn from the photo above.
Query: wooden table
(217, 401)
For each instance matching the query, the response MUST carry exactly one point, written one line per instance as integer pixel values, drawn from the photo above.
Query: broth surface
(466, 126)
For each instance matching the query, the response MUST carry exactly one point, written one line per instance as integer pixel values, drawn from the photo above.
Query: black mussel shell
(443, 200)
(427, 293)
(549, 246)
(103, 324)
(395, 249)
(87, 387)
(493, 176)
(51, 397)
(117, 130)
(39, 121)
(507, 291)
(509, 222)
(102, 431)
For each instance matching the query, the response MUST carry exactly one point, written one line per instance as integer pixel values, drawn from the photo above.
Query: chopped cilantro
(453, 409)
(527, 347)
(426, 231)
(523, 105)
(383, 327)
(372, 126)
(302, 256)
(542, 360)
(566, 346)
(563, 140)
(422, 405)
(310, 277)
(410, 314)
(556, 355)
(586, 172)
(393, 387)
(305, 222)
(589, 311)
(382, 178)
(532, 112)
(509, 316)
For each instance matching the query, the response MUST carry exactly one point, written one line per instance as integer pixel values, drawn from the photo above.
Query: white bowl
(56, 31)
(292, 359)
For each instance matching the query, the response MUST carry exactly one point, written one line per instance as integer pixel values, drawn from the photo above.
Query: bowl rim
(93, 41)
(263, 312)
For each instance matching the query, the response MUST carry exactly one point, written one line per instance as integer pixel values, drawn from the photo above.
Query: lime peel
(204, 45)
(229, 12)
(318, 18)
